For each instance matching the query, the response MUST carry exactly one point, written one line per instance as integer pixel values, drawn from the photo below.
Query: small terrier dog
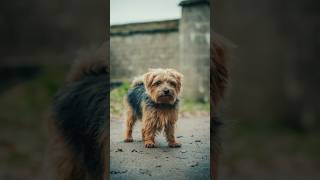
(153, 98)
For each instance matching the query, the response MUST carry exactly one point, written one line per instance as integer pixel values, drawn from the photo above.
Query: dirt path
(133, 161)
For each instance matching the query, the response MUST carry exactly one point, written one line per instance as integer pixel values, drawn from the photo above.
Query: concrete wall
(132, 55)
(195, 48)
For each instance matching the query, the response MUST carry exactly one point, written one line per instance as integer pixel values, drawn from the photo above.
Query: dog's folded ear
(148, 78)
(176, 74)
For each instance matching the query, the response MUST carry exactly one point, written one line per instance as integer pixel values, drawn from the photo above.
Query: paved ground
(133, 161)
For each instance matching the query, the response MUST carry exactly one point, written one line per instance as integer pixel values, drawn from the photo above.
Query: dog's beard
(166, 99)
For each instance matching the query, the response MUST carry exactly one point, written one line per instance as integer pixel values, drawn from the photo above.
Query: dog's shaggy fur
(153, 99)
(219, 76)
(78, 128)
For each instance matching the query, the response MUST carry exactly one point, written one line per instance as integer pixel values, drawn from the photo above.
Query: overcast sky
(129, 11)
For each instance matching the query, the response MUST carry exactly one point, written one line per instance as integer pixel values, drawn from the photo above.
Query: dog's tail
(89, 63)
(137, 81)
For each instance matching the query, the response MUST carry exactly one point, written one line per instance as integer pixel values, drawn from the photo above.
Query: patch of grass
(116, 99)
(190, 107)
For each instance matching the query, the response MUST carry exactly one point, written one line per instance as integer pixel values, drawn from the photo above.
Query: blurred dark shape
(39, 40)
(275, 75)
(272, 112)
(114, 85)
(10, 76)
(46, 31)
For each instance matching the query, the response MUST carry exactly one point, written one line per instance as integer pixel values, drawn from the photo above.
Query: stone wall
(137, 47)
(195, 48)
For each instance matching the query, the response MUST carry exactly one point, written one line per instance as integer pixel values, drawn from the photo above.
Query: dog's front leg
(169, 132)
(149, 131)
(148, 135)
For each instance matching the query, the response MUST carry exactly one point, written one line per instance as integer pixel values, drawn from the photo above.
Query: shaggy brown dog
(153, 98)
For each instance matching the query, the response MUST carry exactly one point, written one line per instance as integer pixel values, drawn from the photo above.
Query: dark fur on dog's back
(79, 118)
(137, 95)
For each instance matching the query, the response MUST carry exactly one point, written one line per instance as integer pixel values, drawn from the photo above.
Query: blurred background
(272, 112)
(39, 41)
(272, 109)
(161, 34)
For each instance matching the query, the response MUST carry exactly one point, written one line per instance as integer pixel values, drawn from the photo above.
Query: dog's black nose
(166, 91)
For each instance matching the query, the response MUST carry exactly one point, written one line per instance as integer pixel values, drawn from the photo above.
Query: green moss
(189, 106)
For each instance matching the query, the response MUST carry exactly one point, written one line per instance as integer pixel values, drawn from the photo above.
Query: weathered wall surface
(132, 55)
(195, 47)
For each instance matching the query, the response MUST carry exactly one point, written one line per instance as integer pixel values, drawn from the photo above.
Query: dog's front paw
(149, 145)
(174, 145)
(128, 139)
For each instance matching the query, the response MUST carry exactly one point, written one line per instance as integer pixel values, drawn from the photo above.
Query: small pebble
(145, 171)
(194, 164)
(119, 150)
(181, 158)
(118, 172)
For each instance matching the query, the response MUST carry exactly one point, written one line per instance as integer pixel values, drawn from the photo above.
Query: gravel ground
(133, 161)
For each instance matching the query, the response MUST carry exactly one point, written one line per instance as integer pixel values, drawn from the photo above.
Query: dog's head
(163, 85)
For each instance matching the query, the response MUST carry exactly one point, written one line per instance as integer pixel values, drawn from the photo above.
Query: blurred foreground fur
(78, 128)
(218, 83)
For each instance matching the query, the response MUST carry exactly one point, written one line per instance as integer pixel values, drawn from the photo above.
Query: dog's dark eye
(172, 83)
(157, 83)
